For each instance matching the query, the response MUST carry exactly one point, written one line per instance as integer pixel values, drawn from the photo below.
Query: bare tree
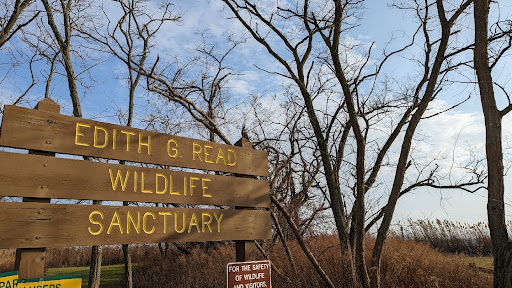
(9, 22)
(64, 42)
(63, 39)
(292, 35)
(14, 18)
(501, 244)
(130, 39)
(199, 86)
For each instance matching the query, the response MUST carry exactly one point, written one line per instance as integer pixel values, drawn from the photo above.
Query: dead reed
(447, 236)
(414, 262)
(405, 264)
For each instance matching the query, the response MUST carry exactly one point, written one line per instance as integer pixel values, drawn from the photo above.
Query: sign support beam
(245, 250)
(30, 262)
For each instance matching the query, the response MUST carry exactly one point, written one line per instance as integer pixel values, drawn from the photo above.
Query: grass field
(485, 264)
(111, 276)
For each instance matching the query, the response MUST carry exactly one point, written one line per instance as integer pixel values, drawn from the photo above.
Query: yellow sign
(73, 281)
(9, 280)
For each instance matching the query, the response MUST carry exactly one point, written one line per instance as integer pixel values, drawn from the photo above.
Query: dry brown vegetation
(414, 262)
(405, 264)
(447, 236)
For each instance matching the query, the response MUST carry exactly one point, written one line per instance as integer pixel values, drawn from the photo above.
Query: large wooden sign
(33, 225)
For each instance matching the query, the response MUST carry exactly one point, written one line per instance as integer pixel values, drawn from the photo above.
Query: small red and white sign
(251, 274)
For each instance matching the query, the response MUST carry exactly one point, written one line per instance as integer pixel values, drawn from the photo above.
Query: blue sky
(459, 128)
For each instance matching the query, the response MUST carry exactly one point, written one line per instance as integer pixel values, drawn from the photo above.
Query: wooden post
(245, 250)
(30, 262)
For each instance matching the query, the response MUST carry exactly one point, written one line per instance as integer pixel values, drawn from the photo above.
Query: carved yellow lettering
(172, 152)
(207, 153)
(142, 184)
(192, 185)
(157, 191)
(135, 180)
(105, 137)
(165, 214)
(171, 187)
(205, 187)
(119, 177)
(196, 150)
(144, 223)
(185, 186)
(218, 220)
(193, 222)
(129, 219)
(96, 223)
(220, 155)
(147, 144)
(116, 221)
(176, 223)
(207, 222)
(128, 135)
(78, 134)
(114, 137)
(231, 157)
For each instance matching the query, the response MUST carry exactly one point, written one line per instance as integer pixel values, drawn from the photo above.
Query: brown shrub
(199, 269)
(7, 260)
(405, 264)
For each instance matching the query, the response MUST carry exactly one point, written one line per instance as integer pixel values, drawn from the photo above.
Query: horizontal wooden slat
(48, 177)
(39, 130)
(32, 225)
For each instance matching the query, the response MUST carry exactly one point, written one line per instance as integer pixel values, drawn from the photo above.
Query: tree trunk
(501, 246)
(127, 257)
(128, 273)
(95, 270)
(300, 240)
(96, 255)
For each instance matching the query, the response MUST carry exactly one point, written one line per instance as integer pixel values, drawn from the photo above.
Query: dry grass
(447, 236)
(405, 264)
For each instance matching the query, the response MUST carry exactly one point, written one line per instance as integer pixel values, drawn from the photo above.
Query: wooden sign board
(48, 177)
(39, 178)
(71, 281)
(32, 225)
(53, 132)
(251, 274)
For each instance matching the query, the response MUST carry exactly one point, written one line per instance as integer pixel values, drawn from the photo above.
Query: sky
(450, 134)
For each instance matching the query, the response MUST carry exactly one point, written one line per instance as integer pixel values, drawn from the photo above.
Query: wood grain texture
(47, 177)
(31, 225)
(30, 262)
(46, 131)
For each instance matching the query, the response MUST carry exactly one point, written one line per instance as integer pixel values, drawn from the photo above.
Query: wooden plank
(30, 225)
(47, 177)
(39, 130)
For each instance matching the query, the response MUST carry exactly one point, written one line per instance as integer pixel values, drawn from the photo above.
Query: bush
(405, 264)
